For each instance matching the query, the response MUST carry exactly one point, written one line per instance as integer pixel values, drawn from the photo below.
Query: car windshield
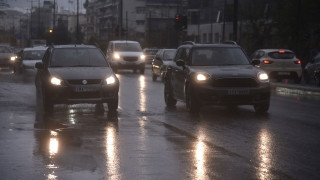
(131, 47)
(218, 56)
(4, 49)
(168, 55)
(78, 57)
(33, 55)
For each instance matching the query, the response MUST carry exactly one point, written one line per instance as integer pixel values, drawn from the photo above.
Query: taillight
(267, 61)
(281, 51)
(297, 62)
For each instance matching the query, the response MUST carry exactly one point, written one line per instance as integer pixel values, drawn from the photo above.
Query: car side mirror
(180, 62)
(255, 62)
(39, 65)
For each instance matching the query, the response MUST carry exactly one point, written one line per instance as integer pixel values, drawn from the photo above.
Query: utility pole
(54, 16)
(77, 22)
(39, 19)
(127, 25)
(224, 20)
(235, 20)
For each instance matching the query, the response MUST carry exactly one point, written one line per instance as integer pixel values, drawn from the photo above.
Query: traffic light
(180, 22)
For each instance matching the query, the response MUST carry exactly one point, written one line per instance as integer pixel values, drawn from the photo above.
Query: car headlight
(202, 77)
(263, 77)
(13, 58)
(111, 80)
(55, 81)
(116, 56)
(143, 57)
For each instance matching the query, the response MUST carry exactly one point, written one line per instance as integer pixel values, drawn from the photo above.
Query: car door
(180, 73)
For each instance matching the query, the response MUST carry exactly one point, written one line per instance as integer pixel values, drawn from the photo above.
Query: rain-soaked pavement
(146, 140)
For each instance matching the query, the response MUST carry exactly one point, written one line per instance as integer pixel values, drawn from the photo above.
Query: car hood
(130, 54)
(6, 55)
(81, 72)
(30, 63)
(167, 63)
(228, 71)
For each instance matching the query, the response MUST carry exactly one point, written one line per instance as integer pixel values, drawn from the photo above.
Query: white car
(30, 57)
(123, 54)
(279, 63)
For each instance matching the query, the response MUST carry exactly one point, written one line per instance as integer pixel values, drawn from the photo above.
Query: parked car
(279, 64)
(72, 74)
(126, 55)
(160, 63)
(150, 53)
(215, 74)
(311, 70)
(29, 57)
(7, 56)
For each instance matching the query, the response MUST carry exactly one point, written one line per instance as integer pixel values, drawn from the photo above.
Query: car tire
(261, 108)
(46, 102)
(306, 76)
(113, 104)
(154, 77)
(192, 104)
(168, 97)
(142, 70)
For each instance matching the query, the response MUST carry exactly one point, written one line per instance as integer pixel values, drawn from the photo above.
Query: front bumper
(122, 64)
(208, 95)
(76, 94)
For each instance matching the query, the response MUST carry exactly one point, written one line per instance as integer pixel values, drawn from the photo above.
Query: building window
(140, 10)
(140, 22)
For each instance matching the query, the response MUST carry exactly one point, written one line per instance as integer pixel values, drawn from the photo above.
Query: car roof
(124, 41)
(209, 45)
(36, 48)
(73, 46)
(272, 50)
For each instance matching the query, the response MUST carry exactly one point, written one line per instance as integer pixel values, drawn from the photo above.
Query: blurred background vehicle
(311, 71)
(7, 56)
(123, 54)
(160, 63)
(279, 64)
(150, 53)
(29, 57)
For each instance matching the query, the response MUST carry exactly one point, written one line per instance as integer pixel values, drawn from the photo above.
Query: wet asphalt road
(146, 140)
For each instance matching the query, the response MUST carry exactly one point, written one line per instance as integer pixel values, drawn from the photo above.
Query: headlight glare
(143, 57)
(55, 81)
(111, 80)
(116, 56)
(202, 77)
(263, 76)
(13, 58)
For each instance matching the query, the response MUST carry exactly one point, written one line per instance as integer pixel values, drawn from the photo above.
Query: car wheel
(142, 70)
(306, 76)
(168, 98)
(261, 108)
(46, 102)
(113, 104)
(154, 77)
(192, 104)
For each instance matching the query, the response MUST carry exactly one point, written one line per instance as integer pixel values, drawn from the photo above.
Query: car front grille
(131, 59)
(235, 82)
(85, 95)
(80, 81)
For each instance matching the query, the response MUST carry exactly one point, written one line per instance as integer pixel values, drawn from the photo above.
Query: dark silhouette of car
(311, 70)
(73, 74)
(160, 63)
(7, 56)
(215, 74)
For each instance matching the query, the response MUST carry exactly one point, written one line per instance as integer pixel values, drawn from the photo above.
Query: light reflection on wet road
(146, 140)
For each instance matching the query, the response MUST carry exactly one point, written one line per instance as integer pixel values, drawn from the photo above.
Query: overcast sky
(65, 4)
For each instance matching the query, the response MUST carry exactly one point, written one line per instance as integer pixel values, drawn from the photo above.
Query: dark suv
(72, 74)
(215, 74)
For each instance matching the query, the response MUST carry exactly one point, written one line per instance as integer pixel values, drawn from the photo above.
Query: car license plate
(83, 89)
(238, 92)
(283, 73)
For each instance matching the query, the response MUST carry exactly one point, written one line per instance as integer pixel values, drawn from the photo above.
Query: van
(123, 54)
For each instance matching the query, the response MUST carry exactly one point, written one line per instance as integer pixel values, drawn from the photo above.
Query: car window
(281, 55)
(218, 56)
(168, 55)
(131, 47)
(33, 55)
(77, 57)
(4, 49)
